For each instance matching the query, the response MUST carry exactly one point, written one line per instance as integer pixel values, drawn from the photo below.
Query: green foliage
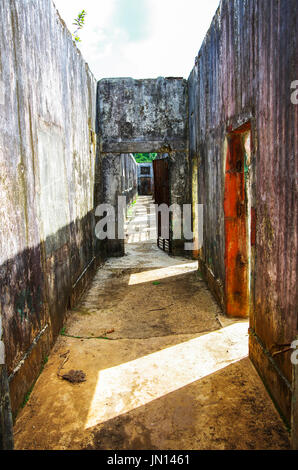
(79, 22)
(63, 330)
(144, 157)
(27, 396)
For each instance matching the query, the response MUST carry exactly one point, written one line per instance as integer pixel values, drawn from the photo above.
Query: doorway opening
(238, 213)
(145, 173)
(162, 196)
(195, 211)
(145, 224)
(145, 179)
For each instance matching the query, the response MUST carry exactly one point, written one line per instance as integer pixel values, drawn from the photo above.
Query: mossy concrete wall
(47, 171)
(53, 173)
(243, 73)
(129, 182)
(6, 427)
(295, 408)
(118, 178)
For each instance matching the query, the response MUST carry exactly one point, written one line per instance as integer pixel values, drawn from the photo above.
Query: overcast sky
(140, 38)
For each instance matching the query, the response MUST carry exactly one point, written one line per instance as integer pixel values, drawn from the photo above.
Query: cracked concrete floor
(174, 373)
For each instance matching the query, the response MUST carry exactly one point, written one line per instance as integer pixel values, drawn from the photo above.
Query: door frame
(239, 222)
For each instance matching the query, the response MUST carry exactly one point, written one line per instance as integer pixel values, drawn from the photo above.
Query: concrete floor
(174, 373)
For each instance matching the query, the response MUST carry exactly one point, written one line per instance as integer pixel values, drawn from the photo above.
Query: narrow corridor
(164, 368)
(141, 223)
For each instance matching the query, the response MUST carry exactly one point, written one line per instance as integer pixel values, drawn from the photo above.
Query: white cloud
(173, 33)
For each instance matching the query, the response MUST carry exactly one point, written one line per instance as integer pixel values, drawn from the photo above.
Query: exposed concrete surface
(6, 426)
(294, 430)
(142, 115)
(47, 172)
(118, 178)
(168, 378)
(2, 346)
(242, 74)
(149, 115)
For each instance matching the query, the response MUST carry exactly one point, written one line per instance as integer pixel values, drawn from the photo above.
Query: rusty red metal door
(162, 196)
(236, 227)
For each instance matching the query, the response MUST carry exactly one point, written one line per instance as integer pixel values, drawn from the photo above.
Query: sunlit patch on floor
(162, 273)
(130, 385)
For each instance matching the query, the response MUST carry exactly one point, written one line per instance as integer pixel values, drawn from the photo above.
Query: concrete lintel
(158, 146)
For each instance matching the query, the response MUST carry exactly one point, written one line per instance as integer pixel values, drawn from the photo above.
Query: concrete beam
(158, 146)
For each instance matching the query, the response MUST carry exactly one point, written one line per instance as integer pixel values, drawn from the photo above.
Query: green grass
(87, 337)
(27, 396)
(63, 330)
(63, 333)
(130, 208)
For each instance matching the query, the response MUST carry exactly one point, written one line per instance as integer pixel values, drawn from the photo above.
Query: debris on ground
(65, 357)
(75, 376)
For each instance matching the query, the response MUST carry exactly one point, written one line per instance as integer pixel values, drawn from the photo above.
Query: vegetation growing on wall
(79, 23)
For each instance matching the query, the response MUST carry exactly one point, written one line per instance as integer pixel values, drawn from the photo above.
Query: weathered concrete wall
(148, 115)
(129, 182)
(142, 115)
(51, 178)
(118, 178)
(47, 167)
(6, 428)
(243, 73)
(294, 422)
(6, 425)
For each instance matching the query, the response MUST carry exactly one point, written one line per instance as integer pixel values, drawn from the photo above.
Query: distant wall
(6, 425)
(47, 170)
(243, 73)
(145, 179)
(118, 178)
(142, 115)
(149, 115)
(129, 169)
